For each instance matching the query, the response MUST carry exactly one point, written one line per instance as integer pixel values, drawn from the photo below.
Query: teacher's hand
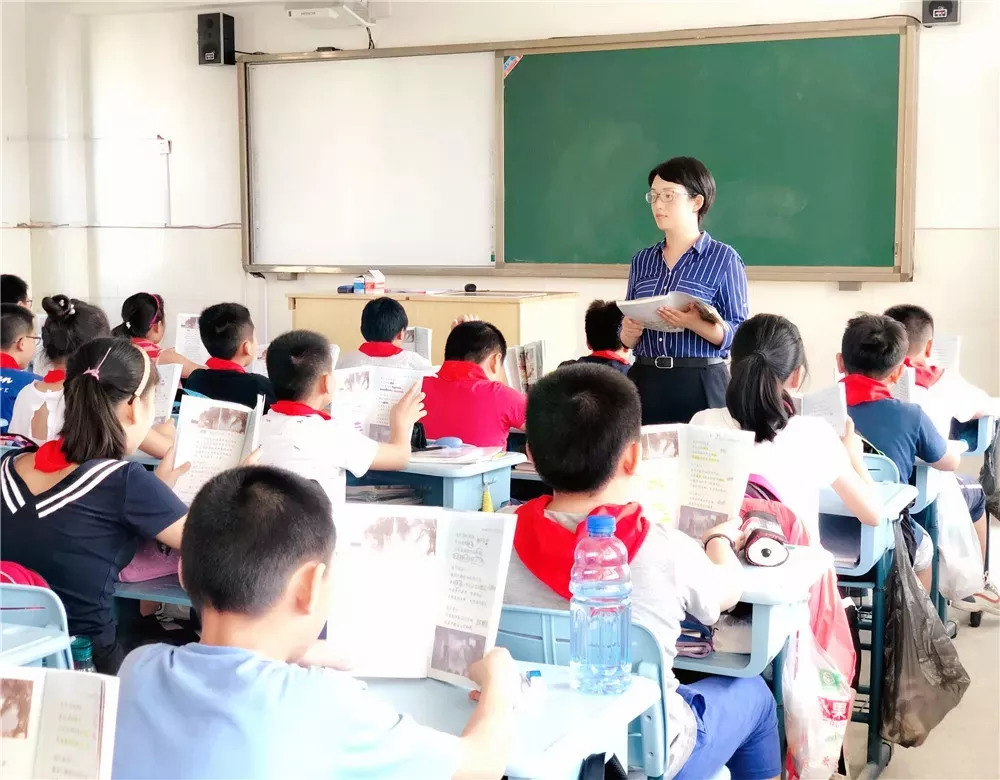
(687, 318)
(631, 332)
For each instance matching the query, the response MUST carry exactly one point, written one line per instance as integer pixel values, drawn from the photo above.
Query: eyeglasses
(667, 196)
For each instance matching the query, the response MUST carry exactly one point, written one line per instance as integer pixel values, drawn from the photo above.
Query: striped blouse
(709, 270)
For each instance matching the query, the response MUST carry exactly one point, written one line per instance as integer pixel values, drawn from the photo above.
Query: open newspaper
(364, 396)
(188, 339)
(524, 365)
(56, 723)
(905, 389)
(643, 310)
(259, 365)
(417, 591)
(166, 391)
(829, 404)
(213, 436)
(946, 351)
(418, 340)
(691, 477)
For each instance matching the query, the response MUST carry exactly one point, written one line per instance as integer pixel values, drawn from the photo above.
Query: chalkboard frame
(905, 26)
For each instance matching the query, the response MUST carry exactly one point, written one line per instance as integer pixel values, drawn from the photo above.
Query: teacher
(680, 374)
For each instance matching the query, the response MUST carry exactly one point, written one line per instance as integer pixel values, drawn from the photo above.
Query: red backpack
(15, 574)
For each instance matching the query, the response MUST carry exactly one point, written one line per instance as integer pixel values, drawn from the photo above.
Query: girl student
(74, 509)
(798, 455)
(144, 322)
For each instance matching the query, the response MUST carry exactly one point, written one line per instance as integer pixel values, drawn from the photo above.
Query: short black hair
(692, 175)
(918, 322)
(247, 531)
(873, 345)
(13, 289)
(602, 323)
(295, 362)
(15, 322)
(382, 319)
(223, 328)
(70, 324)
(474, 341)
(580, 419)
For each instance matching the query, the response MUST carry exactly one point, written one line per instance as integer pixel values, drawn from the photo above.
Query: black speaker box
(216, 39)
(940, 12)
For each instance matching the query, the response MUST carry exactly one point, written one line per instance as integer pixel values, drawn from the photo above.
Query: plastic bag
(818, 701)
(923, 680)
(961, 566)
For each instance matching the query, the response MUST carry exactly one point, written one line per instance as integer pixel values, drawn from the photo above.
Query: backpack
(989, 474)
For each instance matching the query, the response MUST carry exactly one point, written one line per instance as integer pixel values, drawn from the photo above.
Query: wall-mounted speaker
(216, 39)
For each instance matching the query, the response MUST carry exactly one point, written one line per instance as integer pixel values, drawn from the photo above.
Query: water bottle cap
(600, 524)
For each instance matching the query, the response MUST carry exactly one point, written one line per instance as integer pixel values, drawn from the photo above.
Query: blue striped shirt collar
(698, 246)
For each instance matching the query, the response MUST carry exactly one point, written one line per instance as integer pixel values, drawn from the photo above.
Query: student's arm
(852, 481)
(151, 508)
(159, 440)
(514, 406)
(171, 535)
(932, 447)
(485, 743)
(721, 551)
(173, 356)
(395, 454)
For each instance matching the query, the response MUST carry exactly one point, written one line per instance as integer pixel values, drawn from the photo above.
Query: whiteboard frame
(905, 26)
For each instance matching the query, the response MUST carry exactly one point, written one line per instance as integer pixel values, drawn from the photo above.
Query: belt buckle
(668, 362)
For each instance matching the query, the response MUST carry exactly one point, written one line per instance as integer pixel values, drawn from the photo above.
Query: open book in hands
(643, 310)
(417, 339)
(364, 396)
(524, 365)
(187, 339)
(213, 436)
(417, 591)
(56, 723)
(166, 391)
(829, 404)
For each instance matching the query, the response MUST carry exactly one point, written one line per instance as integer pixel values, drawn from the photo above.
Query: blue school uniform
(12, 381)
(900, 430)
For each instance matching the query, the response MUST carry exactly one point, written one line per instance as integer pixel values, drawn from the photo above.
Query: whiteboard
(372, 162)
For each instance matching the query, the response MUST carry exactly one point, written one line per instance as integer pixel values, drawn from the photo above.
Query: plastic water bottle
(600, 645)
(83, 654)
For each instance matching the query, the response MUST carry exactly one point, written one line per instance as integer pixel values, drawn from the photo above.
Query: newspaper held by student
(166, 391)
(364, 396)
(525, 365)
(417, 339)
(188, 341)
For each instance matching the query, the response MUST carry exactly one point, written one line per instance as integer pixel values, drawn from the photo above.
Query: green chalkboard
(801, 136)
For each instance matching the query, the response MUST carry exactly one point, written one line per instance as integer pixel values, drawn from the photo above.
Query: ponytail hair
(767, 349)
(100, 376)
(140, 312)
(70, 324)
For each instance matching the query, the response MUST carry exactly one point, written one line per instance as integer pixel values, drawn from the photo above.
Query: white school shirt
(29, 401)
(404, 359)
(314, 448)
(951, 396)
(804, 457)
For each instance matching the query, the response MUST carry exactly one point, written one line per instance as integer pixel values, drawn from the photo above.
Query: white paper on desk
(656, 485)
(905, 389)
(830, 405)
(643, 310)
(715, 467)
(188, 339)
(946, 351)
(166, 391)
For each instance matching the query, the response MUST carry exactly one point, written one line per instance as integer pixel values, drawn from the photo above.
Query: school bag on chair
(989, 475)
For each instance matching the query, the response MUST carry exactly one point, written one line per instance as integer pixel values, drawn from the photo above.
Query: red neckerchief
(460, 369)
(296, 409)
(862, 389)
(50, 457)
(609, 354)
(55, 376)
(218, 364)
(7, 361)
(379, 349)
(926, 376)
(546, 548)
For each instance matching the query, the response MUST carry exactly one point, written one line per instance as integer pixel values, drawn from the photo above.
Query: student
(798, 455)
(383, 321)
(144, 322)
(468, 398)
(872, 352)
(17, 348)
(74, 509)
(13, 289)
(602, 324)
(298, 434)
(252, 699)
(228, 334)
(943, 395)
(583, 432)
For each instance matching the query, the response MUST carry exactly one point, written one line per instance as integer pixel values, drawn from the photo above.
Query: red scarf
(379, 349)
(862, 389)
(50, 457)
(609, 354)
(218, 364)
(452, 370)
(546, 548)
(147, 346)
(7, 361)
(55, 376)
(296, 409)
(926, 376)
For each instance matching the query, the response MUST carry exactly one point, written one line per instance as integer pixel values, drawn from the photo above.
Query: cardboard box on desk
(374, 281)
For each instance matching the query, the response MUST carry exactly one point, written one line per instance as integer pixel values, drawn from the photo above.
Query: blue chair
(33, 628)
(978, 434)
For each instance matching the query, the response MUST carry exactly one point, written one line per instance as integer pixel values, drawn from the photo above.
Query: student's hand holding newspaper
(496, 675)
(167, 472)
(463, 318)
(253, 458)
(631, 332)
(408, 410)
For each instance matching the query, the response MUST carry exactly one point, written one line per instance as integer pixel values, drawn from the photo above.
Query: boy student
(583, 432)
(468, 398)
(298, 434)
(602, 324)
(252, 699)
(383, 321)
(13, 289)
(17, 348)
(228, 334)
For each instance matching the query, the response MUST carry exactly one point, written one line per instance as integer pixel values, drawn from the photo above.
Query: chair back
(28, 605)
(882, 468)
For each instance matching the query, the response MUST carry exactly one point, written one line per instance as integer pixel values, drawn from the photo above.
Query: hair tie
(96, 370)
(128, 325)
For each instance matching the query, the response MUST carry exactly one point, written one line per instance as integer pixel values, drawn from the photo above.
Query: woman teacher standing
(680, 374)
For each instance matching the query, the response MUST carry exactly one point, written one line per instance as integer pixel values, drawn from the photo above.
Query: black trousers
(675, 395)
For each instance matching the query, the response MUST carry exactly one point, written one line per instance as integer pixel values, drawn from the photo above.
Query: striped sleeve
(732, 299)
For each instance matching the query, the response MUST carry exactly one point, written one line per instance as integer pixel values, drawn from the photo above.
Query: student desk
(452, 486)
(164, 589)
(556, 728)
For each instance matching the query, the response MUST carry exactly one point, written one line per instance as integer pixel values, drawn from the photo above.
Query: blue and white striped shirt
(709, 270)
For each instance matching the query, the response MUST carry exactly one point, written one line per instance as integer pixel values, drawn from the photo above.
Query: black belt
(672, 362)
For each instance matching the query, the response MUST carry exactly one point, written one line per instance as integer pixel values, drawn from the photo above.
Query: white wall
(129, 77)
